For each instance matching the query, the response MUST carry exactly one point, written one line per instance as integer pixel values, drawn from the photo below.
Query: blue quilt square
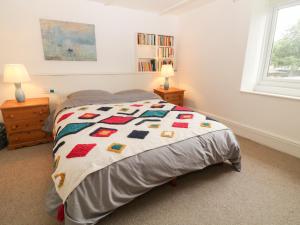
(155, 113)
(139, 134)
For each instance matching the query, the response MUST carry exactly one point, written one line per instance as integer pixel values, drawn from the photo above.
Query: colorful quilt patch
(206, 125)
(181, 108)
(147, 120)
(58, 129)
(124, 110)
(57, 147)
(167, 134)
(129, 113)
(209, 118)
(138, 134)
(83, 108)
(157, 106)
(62, 177)
(89, 116)
(80, 150)
(103, 132)
(116, 147)
(137, 105)
(72, 128)
(154, 126)
(65, 116)
(105, 109)
(180, 125)
(56, 161)
(185, 116)
(155, 113)
(117, 120)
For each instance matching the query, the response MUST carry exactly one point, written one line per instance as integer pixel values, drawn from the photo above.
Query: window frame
(264, 83)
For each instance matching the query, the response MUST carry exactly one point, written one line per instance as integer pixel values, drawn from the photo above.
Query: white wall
(20, 42)
(210, 60)
(213, 41)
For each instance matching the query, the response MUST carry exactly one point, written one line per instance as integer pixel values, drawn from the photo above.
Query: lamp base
(166, 84)
(19, 93)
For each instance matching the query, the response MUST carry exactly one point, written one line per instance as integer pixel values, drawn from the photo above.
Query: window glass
(285, 56)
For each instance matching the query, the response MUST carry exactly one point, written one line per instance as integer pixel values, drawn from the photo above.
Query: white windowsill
(256, 92)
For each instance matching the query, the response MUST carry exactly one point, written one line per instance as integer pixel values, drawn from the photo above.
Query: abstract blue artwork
(68, 41)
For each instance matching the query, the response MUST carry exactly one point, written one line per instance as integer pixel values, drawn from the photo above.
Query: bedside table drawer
(25, 113)
(24, 125)
(180, 103)
(173, 97)
(26, 136)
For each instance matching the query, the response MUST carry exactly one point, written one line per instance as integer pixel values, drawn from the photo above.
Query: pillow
(87, 97)
(135, 95)
(89, 93)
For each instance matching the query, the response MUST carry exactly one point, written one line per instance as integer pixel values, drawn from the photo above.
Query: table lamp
(17, 74)
(167, 71)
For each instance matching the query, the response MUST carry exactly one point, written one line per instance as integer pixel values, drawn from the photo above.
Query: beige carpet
(266, 192)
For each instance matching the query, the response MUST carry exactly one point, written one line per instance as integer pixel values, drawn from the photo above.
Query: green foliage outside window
(286, 51)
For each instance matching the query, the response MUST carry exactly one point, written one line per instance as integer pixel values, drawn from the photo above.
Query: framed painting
(68, 41)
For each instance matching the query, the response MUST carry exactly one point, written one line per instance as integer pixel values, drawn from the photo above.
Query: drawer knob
(11, 116)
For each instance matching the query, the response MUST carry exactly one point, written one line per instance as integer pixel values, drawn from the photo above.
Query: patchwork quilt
(92, 137)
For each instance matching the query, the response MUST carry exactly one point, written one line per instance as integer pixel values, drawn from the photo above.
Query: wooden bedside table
(173, 95)
(24, 121)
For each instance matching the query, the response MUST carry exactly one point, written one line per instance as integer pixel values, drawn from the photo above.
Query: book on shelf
(146, 39)
(147, 66)
(165, 40)
(165, 52)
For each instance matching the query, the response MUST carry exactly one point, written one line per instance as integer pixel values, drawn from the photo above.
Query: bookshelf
(152, 51)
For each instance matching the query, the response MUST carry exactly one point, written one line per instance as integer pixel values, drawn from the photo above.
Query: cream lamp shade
(15, 73)
(167, 70)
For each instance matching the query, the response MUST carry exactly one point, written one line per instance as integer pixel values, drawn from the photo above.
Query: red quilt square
(180, 125)
(103, 132)
(80, 150)
(117, 120)
(185, 116)
(181, 108)
(65, 116)
(88, 116)
(137, 105)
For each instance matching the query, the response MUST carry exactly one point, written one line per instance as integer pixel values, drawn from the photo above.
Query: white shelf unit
(152, 51)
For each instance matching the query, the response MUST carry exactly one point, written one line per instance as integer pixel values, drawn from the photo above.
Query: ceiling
(157, 6)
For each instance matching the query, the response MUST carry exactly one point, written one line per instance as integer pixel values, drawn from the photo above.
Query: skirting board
(274, 141)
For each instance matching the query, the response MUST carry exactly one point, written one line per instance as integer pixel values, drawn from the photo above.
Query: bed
(111, 148)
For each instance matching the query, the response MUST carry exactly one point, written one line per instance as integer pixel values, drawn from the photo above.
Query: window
(285, 55)
(280, 66)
